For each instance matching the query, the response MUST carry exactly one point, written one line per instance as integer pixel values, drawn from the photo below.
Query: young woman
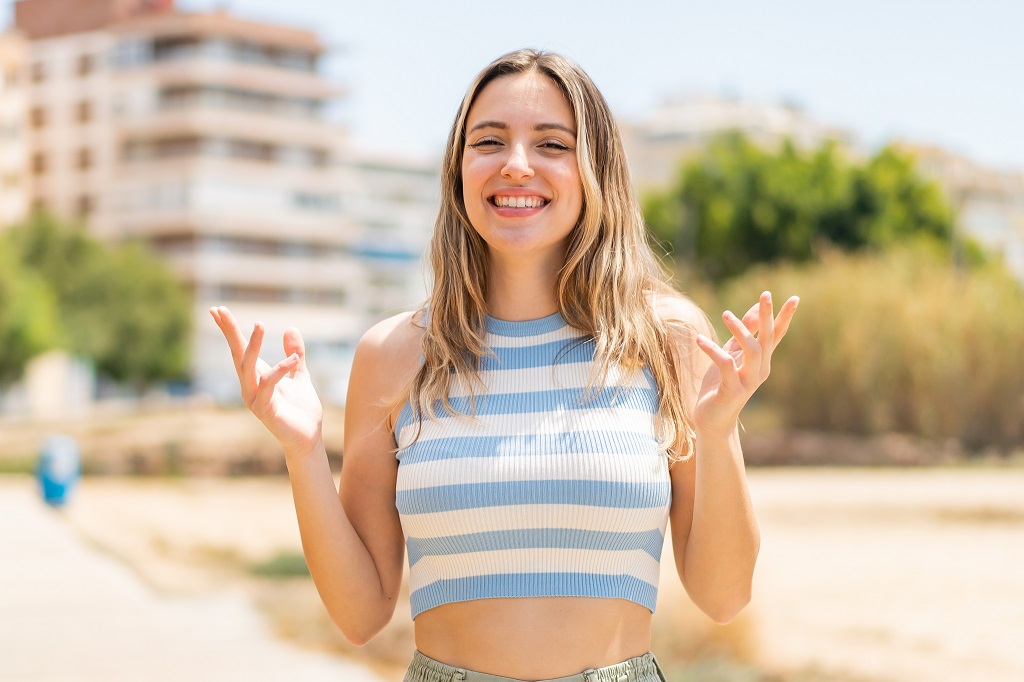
(532, 431)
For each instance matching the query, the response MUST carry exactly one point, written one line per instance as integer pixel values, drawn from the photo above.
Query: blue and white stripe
(546, 490)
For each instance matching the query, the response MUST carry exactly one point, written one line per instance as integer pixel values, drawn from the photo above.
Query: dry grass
(880, 575)
(900, 342)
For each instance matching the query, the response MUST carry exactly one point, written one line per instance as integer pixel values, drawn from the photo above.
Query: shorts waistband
(639, 669)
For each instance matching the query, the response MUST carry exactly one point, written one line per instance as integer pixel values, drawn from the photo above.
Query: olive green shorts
(640, 669)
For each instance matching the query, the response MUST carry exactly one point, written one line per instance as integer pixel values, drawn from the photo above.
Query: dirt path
(71, 612)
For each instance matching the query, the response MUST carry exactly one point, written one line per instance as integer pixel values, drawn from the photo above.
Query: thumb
(293, 344)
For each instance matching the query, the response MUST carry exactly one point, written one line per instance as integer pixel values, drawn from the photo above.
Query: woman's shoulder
(393, 346)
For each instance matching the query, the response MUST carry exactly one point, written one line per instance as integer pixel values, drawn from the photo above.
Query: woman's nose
(517, 165)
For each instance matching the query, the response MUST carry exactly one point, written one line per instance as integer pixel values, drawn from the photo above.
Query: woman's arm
(351, 538)
(714, 531)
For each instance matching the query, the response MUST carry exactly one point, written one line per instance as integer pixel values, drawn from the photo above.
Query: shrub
(284, 564)
(898, 342)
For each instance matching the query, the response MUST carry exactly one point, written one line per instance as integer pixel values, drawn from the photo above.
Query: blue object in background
(59, 468)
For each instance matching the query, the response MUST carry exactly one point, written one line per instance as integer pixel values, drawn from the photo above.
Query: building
(682, 126)
(208, 137)
(14, 187)
(989, 203)
(393, 205)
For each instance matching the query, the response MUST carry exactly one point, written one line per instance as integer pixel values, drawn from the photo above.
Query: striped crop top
(547, 491)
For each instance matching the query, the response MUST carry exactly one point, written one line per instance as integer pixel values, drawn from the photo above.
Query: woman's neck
(523, 290)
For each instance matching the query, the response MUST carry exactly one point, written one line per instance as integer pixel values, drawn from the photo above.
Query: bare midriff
(534, 638)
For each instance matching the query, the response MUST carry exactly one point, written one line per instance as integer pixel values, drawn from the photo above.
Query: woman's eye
(486, 142)
(558, 146)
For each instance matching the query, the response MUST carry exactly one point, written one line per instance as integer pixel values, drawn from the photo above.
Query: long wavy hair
(605, 288)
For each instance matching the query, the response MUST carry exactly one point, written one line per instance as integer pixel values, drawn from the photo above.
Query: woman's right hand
(282, 396)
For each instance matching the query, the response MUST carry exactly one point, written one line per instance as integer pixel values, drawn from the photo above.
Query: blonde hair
(605, 288)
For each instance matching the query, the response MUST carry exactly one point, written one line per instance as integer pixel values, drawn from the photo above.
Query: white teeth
(519, 202)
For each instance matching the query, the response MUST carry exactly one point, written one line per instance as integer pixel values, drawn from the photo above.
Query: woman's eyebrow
(554, 126)
(539, 127)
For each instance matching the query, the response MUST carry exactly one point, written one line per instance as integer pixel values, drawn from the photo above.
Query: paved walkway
(70, 612)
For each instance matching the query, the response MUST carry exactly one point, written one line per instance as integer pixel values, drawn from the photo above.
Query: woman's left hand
(741, 365)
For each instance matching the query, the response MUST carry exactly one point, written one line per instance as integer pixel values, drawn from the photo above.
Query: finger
(750, 321)
(785, 317)
(293, 344)
(751, 318)
(766, 331)
(751, 347)
(232, 334)
(252, 352)
(726, 363)
(269, 380)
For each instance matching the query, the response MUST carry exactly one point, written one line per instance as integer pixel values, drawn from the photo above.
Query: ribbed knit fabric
(546, 491)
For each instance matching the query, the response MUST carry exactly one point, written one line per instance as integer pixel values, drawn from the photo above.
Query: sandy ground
(863, 575)
(69, 612)
(892, 575)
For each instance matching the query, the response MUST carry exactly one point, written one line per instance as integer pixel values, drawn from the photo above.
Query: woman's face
(520, 179)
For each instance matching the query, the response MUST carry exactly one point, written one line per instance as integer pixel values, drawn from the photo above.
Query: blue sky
(945, 72)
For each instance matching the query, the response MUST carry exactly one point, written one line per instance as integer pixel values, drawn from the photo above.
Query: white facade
(204, 136)
(14, 180)
(989, 203)
(682, 126)
(393, 203)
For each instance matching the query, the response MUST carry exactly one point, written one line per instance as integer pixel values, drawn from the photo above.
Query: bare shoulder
(676, 309)
(398, 333)
(390, 351)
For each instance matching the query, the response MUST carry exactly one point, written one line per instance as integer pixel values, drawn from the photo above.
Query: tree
(119, 306)
(28, 316)
(739, 205)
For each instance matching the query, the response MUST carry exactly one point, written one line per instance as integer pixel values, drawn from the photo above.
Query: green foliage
(130, 315)
(284, 564)
(739, 205)
(119, 306)
(28, 316)
(897, 342)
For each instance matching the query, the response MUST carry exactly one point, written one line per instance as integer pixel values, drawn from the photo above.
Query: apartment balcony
(201, 69)
(193, 164)
(212, 268)
(238, 221)
(207, 120)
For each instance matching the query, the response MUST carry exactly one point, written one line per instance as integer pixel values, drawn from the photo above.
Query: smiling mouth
(518, 202)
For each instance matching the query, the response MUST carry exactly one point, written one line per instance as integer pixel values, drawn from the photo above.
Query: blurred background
(158, 157)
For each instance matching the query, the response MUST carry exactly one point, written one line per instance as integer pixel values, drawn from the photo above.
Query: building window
(84, 206)
(83, 111)
(249, 149)
(86, 64)
(38, 117)
(315, 201)
(83, 159)
(38, 72)
(39, 163)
